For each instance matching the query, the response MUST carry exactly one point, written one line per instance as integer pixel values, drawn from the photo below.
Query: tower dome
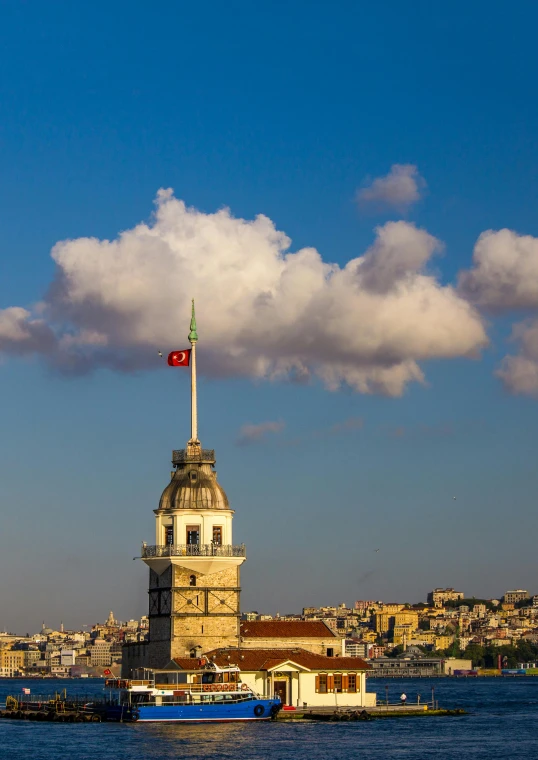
(193, 486)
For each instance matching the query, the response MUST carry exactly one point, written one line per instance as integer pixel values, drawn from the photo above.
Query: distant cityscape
(447, 634)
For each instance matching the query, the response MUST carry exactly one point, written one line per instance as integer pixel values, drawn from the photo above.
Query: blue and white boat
(208, 695)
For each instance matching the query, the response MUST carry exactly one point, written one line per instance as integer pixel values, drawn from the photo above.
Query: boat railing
(197, 688)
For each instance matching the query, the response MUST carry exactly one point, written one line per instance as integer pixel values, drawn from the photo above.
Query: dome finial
(193, 335)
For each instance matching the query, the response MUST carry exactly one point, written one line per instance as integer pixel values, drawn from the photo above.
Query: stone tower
(194, 564)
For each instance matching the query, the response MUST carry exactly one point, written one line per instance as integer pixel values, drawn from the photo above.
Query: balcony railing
(180, 455)
(194, 550)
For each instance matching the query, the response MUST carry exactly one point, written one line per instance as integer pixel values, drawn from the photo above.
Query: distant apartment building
(513, 597)
(356, 649)
(402, 634)
(439, 596)
(11, 662)
(363, 605)
(100, 653)
(382, 622)
(67, 657)
(406, 617)
(32, 657)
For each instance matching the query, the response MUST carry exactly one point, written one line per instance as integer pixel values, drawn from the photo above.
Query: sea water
(501, 724)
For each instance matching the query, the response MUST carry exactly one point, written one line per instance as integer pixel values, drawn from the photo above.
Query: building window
(352, 682)
(169, 534)
(193, 535)
(192, 580)
(217, 535)
(321, 686)
(338, 682)
(330, 652)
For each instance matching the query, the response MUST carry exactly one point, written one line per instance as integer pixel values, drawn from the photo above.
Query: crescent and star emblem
(180, 357)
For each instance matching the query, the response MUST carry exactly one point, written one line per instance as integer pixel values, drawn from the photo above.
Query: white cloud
(20, 333)
(504, 275)
(256, 433)
(263, 312)
(519, 373)
(400, 188)
(400, 251)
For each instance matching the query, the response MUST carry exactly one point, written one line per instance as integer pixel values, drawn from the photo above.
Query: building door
(281, 691)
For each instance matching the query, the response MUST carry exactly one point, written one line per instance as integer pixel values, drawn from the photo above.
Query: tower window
(217, 535)
(169, 534)
(193, 535)
(192, 580)
(194, 476)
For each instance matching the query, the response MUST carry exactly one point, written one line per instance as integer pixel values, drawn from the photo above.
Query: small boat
(207, 695)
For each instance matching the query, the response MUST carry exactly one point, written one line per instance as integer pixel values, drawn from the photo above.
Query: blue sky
(286, 110)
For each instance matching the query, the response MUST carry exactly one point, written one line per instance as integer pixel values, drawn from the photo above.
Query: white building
(300, 678)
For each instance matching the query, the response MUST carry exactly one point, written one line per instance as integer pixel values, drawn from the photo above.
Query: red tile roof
(187, 663)
(286, 629)
(264, 659)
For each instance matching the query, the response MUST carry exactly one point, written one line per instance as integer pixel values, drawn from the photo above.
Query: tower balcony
(182, 456)
(194, 550)
(200, 558)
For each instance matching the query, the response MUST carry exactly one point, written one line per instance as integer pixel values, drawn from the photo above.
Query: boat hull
(259, 709)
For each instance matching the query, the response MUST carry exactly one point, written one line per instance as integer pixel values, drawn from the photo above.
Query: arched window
(192, 580)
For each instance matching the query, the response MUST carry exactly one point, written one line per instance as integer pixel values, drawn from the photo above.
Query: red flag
(179, 358)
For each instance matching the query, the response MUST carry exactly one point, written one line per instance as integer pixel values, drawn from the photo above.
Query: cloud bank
(503, 278)
(504, 275)
(400, 188)
(264, 312)
(256, 433)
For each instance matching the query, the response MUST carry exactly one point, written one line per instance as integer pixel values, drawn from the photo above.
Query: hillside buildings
(62, 653)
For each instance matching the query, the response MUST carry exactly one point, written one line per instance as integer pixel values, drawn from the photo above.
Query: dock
(59, 708)
(336, 714)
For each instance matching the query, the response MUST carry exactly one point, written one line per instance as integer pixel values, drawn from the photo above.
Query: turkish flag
(179, 358)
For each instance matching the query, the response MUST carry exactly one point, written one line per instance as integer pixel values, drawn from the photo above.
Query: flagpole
(193, 337)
